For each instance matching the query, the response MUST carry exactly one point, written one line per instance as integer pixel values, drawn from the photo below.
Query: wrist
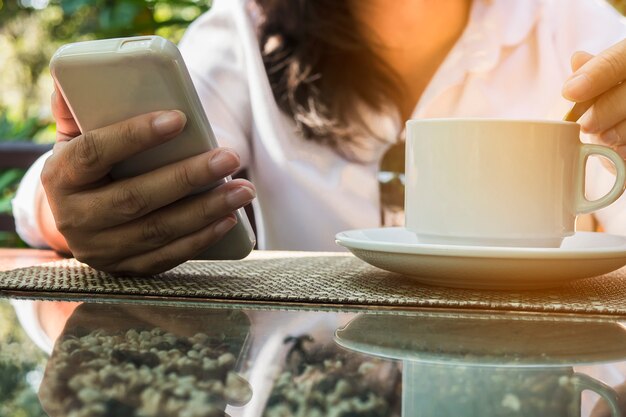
(47, 225)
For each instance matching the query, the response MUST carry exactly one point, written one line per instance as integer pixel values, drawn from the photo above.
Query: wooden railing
(20, 154)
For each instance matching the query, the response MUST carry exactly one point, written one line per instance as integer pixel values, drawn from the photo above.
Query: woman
(309, 95)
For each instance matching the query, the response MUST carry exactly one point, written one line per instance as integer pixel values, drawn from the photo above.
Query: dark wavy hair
(322, 70)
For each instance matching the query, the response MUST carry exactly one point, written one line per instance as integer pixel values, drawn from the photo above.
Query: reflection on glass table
(138, 359)
(491, 365)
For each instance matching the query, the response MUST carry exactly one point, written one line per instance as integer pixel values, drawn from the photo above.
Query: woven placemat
(313, 278)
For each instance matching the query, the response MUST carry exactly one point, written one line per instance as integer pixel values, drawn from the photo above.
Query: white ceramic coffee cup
(495, 182)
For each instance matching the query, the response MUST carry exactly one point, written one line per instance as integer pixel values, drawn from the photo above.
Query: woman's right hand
(142, 224)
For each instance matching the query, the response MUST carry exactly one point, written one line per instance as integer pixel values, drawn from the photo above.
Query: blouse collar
(493, 26)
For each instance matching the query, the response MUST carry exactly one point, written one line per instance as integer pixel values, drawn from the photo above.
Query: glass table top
(159, 357)
(156, 358)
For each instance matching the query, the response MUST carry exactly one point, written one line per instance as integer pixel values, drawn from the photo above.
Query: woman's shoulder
(225, 17)
(221, 36)
(215, 28)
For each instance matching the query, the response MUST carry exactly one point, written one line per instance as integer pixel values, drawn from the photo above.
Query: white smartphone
(107, 81)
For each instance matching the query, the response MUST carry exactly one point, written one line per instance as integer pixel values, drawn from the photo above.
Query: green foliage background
(30, 32)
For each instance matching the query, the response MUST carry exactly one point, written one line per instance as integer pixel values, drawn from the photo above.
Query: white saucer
(486, 340)
(396, 249)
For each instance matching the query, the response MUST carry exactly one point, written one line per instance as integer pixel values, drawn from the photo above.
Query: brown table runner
(312, 278)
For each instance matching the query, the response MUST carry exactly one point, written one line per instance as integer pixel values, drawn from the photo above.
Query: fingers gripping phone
(107, 81)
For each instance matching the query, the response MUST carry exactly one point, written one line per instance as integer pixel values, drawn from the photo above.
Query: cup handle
(585, 382)
(582, 204)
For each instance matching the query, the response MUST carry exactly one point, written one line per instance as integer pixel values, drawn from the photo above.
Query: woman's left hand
(600, 79)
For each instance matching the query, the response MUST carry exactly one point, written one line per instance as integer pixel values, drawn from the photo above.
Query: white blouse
(510, 62)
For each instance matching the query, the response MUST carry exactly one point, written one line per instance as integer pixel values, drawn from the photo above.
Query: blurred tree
(30, 32)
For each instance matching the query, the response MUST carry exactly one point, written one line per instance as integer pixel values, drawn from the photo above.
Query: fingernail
(225, 224)
(169, 122)
(610, 137)
(239, 196)
(224, 162)
(576, 87)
